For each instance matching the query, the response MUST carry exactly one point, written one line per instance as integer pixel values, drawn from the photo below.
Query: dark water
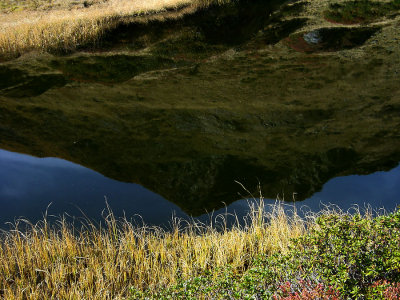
(167, 116)
(30, 186)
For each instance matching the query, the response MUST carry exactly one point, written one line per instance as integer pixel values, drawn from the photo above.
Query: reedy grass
(64, 30)
(61, 261)
(343, 255)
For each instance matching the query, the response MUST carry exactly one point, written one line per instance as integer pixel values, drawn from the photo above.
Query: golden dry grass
(102, 263)
(64, 27)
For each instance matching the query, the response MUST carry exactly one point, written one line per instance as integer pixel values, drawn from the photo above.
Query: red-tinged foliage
(386, 290)
(306, 290)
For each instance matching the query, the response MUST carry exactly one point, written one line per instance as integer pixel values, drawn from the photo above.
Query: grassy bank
(340, 257)
(105, 263)
(273, 256)
(62, 26)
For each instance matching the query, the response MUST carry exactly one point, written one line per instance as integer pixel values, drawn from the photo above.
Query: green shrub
(341, 257)
(348, 253)
(383, 289)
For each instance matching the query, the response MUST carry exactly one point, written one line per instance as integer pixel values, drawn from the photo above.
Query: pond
(170, 116)
(31, 187)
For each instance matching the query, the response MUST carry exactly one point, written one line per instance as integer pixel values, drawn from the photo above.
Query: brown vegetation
(64, 26)
(100, 263)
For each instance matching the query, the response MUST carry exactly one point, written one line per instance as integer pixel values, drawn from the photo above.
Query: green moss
(280, 30)
(36, 85)
(361, 11)
(17, 83)
(109, 69)
(292, 9)
(10, 77)
(189, 45)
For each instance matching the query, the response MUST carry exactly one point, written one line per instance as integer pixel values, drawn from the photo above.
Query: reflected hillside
(189, 108)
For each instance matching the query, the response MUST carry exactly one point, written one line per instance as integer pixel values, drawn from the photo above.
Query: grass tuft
(341, 256)
(44, 261)
(274, 254)
(67, 25)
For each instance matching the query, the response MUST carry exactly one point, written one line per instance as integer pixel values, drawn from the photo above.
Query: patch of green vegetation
(10, 77)
(342, 257)
(17, 83)
(209, 32)
(111, 68)
(292, 8)
(360, 11)
(205, 33)
(280, 30)
(191, 44)
(9, 6)
(36, 85)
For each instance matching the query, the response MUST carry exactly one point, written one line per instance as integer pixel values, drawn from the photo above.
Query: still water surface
(167, 116)
(28, 185)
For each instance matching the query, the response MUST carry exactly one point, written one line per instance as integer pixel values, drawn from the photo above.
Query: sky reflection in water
(377, 191)
(28, 184)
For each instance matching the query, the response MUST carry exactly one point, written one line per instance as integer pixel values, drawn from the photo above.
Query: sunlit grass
(46, 261)
(58, 26)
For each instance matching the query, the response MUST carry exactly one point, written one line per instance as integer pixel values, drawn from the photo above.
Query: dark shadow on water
(33, 187)
(210, 102)
(29, 186)
(109, 69)
(17, 84)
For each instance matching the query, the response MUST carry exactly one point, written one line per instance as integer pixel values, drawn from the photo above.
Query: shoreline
(263, 259)
(65, 30)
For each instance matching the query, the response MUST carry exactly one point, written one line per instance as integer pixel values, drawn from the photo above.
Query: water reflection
(204, 106)
(380, 190)
(377, 192)
(29, 184)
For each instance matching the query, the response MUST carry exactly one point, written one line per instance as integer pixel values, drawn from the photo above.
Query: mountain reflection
(198, 112)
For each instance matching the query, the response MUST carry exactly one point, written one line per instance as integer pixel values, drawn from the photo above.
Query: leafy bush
(383, 289)
(341, 257)
(306, 290)
(344, 252)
